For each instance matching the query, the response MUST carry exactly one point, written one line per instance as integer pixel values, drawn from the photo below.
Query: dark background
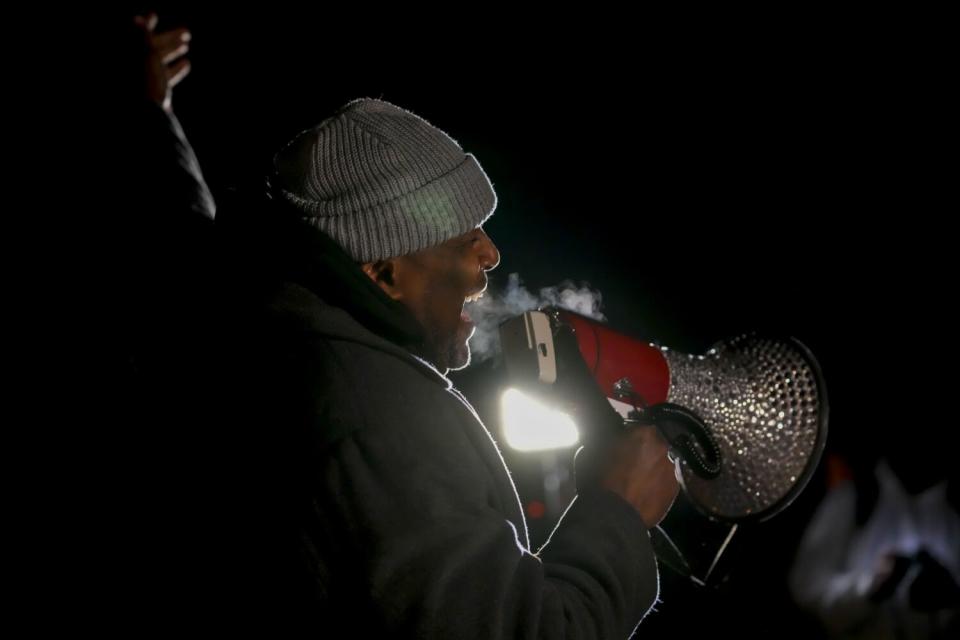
(787, 183)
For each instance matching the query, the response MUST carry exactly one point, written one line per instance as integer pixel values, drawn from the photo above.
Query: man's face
(434, 284)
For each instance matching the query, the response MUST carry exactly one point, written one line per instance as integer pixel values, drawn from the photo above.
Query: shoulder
(351, 378)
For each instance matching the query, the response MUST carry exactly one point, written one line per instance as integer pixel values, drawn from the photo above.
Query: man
(356, 488)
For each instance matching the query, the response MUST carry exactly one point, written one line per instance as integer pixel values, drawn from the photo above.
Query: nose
(488, 253)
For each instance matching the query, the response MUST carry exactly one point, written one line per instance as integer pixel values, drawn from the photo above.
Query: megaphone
(747, 419)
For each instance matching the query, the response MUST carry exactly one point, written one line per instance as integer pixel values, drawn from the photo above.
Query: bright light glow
(528, 425)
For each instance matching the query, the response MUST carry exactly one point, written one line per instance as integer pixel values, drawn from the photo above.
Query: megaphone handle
(577, 382)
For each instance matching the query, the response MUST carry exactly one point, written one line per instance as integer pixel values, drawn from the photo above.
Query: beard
(446, 350)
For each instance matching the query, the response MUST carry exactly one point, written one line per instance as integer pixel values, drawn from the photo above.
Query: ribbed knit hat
(383, 182)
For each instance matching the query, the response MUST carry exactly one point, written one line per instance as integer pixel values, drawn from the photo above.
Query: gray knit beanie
(383, 182)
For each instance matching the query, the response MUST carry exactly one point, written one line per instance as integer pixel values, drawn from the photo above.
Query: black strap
(680, 427)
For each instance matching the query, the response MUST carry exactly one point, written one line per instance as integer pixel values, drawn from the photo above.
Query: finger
(169, 56)
(150, 22)
(649, 436)
(146, 25)
(640, 430)
(172, 39)
(178, 72)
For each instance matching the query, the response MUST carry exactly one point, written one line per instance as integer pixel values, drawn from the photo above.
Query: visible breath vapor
(494, 308)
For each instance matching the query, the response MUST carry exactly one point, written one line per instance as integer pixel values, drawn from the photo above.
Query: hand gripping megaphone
(747, 419)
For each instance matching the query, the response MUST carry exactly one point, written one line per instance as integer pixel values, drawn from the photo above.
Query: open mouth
(471, 299)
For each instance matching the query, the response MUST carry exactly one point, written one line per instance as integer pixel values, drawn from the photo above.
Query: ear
(384, 275)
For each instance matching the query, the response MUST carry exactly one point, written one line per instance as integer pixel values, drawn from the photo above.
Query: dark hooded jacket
(337, 481)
